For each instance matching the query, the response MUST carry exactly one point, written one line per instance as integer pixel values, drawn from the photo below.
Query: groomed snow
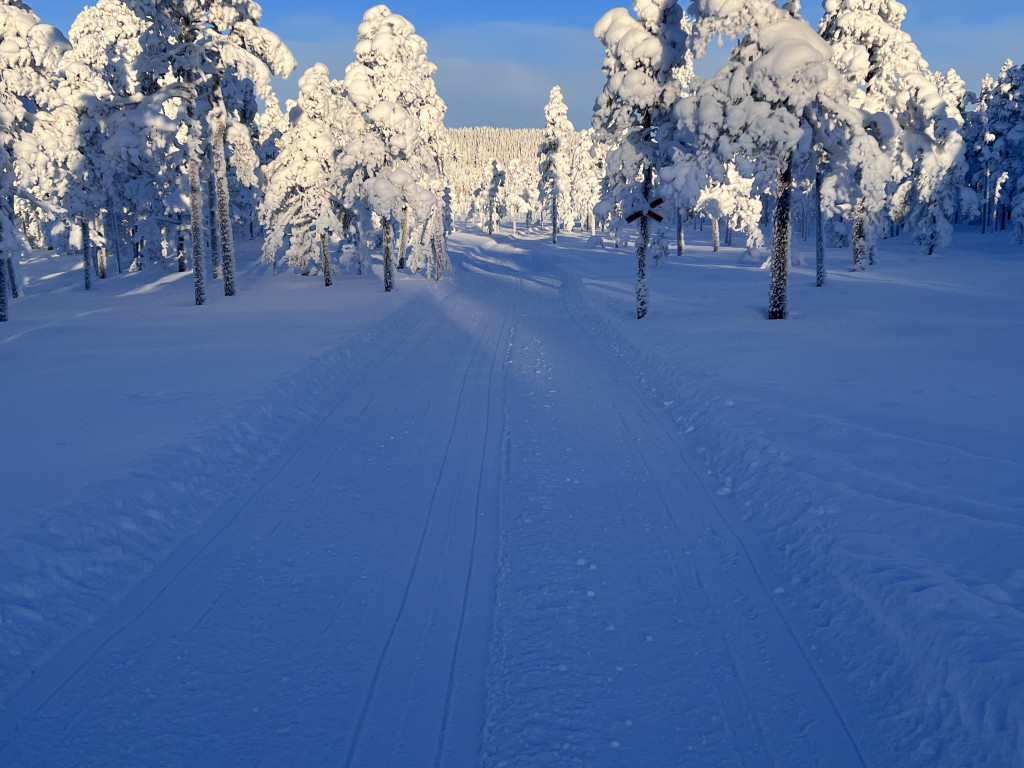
(498, 521)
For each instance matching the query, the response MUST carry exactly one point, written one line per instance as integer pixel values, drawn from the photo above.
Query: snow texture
(230, 537)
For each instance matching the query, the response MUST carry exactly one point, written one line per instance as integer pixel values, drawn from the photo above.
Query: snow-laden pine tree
(127, 135)
(648, 65)
(10, 241)
(733, 203)
(892, 79)
(301, 184)
(29, 51)
(518, 182)
(395, 142)
(193, 43)
(932, 159)
(555, 158)
(778, 85)
(1004, 147)
(979, 153)
(489, 197)
(470, 149)
(588, 162)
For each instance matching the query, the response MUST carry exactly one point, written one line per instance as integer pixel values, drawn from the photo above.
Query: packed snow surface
(497, 521)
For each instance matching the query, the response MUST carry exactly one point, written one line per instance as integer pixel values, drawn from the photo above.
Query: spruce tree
(554, 154)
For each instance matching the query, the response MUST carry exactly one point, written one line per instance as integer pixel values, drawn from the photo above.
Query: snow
(496, 520)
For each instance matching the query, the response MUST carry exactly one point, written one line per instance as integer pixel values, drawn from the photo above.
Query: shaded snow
(699, 537)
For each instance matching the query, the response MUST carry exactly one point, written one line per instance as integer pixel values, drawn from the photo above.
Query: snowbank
(872, 445)
(169, 410)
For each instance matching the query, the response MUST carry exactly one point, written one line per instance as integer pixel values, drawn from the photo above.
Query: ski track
(265, 638)
(678, 653)
(489, 544)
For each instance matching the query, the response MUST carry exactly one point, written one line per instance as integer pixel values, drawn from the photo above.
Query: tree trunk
(12, 277)
(642, 287)
(777, 289)
(3, 294)
(389, 261)
(403, 238)
(182, 259)
(101, 250)
(86, 260)
(716, 240)
(362, 258)
(325, 259)
(819, 233)
(438, 249)
(680, 237)
(554, 216)
(985, 206)
(223, 195)
(114, 237)
(213, 213)
(860, 245)
(195, 194)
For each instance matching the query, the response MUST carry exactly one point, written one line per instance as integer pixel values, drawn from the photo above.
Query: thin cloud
(492, 73)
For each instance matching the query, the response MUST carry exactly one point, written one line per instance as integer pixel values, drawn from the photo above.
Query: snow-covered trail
(339, 613)
(633, 626)
(493, 547)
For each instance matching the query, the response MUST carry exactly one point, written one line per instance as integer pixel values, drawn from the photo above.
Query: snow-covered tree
(396, 141)
(1003, 113)
(301, 183)
(778, 85)
(893, 80)
(554, 154)
(588, 161)
(194, 42)
(489, 197)
(931, 159)
(733, 202)
(29, 51)
(519, 181)
(648, 65)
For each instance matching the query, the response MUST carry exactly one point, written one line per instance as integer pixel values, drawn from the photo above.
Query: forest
(150, 136)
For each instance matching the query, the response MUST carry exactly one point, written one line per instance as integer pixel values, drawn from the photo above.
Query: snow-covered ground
(498, 521)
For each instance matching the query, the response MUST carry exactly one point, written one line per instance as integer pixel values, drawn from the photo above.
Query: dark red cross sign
(650, 214)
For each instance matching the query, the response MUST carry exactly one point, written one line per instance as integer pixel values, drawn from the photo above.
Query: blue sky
(498, 61)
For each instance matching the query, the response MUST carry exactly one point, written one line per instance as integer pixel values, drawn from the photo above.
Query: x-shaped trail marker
(650, 214)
